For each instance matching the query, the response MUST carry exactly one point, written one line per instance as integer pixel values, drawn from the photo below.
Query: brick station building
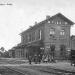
(50, 37)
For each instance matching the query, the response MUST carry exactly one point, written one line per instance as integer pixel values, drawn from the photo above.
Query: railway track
(23, 71)
(18, 72)
(4, 70)
(47, 70)
(51, 70)
(57, 72)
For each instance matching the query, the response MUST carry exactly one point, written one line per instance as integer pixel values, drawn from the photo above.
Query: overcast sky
(18, 16)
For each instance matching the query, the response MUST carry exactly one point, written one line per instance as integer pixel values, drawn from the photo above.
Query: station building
(12, 52)
(48, 37)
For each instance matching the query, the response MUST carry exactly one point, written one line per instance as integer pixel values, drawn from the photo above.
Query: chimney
(35, 22)
(47, 17)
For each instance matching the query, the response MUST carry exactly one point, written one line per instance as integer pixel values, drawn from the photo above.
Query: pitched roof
(63, 17)
(44, 21)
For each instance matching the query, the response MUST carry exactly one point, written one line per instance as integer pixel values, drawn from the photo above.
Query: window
(33, 36)
(29, 37)
(52, 21)
(66, 23)
(48, 21)
(38, 35)
(22, 38)
(52, 31)
(62, 50)
(26, 38)
(57, 22)
(62, 32)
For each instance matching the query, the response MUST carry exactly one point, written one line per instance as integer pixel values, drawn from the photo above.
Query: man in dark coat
(39, 59)
(30, 59)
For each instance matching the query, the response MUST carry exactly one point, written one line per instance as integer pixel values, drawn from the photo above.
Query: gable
(58, 20)
(62, 17)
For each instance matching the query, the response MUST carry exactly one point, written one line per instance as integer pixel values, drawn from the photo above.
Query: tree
(2, 49)
(6, 54)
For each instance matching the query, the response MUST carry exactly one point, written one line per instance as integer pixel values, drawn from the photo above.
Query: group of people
(35, 58)
(38, 58)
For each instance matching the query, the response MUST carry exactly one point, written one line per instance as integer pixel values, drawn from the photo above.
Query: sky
(17, 15)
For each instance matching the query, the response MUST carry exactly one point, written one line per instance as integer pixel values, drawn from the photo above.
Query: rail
(52, 71)
(15, 70)
(48, 70)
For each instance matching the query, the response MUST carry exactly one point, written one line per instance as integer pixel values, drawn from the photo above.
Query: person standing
(30, 59)
(39, 58)
(35, 59)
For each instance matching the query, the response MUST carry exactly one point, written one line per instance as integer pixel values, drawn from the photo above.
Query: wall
(58, 39)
